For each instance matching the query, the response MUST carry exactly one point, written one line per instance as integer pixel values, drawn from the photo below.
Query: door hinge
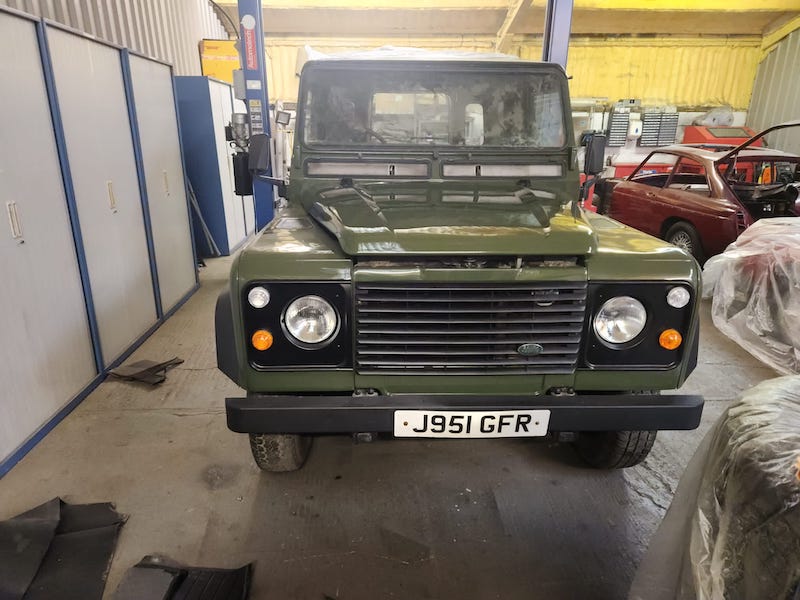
(112, 199)
(13, 219)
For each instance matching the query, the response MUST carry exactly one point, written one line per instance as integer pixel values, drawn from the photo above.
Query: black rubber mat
(147, 584)
(146, 371)
(177, 582)
(215, 584)
(58, 550)
(24, 541)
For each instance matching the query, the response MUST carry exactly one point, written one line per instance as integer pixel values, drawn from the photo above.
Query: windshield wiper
(347, 182)
(538, 211)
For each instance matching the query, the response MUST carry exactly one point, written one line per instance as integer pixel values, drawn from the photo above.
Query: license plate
(471, 424)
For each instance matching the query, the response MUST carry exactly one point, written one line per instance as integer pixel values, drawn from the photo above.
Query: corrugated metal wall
(776, 93)
(164, 29)
(689, 72)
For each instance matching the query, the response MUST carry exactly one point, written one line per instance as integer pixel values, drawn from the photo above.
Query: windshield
(433, 108)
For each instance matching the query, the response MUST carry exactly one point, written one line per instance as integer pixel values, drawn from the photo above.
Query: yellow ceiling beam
(671, 41)
(503, 40)
(773, 37)
(659, 5)
(687, 5)
(380, 4)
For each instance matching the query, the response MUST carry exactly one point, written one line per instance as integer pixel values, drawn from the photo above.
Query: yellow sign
(219, 58)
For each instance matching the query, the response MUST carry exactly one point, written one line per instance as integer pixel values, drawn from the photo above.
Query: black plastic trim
(694, 350)
(227, 361)
(643, 353)
(285, 353)
(261, 413)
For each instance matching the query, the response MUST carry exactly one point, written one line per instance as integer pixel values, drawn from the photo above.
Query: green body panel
(370, 223)
(350, 232)
(304, 254)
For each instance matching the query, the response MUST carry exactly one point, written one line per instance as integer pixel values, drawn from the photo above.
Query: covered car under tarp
(755, 291)
(732, 531)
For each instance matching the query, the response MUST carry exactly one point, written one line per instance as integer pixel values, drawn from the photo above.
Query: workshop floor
(391, 519)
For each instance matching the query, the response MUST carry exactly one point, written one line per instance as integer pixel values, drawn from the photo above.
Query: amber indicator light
(670, 339)
(262, 340)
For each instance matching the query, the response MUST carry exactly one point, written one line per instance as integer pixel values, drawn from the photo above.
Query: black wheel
(279, 453)
(683, 235)
(614, 449)
(599, 203)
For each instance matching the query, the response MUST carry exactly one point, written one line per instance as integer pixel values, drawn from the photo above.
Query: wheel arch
(670, 221)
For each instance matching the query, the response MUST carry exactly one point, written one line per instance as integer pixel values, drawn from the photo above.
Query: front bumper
(261, 413)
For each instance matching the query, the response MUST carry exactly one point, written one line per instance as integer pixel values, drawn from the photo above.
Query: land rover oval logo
(530, 349)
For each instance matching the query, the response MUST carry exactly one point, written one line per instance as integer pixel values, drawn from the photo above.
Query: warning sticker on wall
(256, 118)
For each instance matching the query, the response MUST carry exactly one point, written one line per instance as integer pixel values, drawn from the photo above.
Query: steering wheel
(376, 135)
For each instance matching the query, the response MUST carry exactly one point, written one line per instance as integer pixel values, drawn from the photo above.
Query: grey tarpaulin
(58, 550)
(733, 529)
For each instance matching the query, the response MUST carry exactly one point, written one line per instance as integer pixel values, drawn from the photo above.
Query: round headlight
(310, 320)
(258, 297)
(678, 297)
(620, 320)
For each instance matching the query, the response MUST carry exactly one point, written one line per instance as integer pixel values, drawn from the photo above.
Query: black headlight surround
(644, 352)
(286, 354)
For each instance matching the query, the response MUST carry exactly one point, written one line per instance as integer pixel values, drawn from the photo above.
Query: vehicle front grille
(468, 329)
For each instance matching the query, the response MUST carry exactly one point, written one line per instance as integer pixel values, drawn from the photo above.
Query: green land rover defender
(433, 275)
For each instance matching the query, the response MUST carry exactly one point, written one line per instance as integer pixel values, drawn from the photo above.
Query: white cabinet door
(46, 352)
(166, 191)
(91, 97)
(221, 110)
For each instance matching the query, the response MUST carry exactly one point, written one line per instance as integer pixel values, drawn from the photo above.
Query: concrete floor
(392, 519)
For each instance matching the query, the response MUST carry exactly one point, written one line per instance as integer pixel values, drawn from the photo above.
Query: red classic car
(701, 197)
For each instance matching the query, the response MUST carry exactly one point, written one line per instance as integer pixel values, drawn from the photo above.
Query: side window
(690, 176)
(655, 170)
(473, 125)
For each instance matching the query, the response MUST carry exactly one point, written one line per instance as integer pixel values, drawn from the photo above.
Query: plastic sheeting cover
(733, 529)
(755, 286)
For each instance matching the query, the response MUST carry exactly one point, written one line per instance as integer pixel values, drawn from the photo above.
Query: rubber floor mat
(58, 550)
(177, 582)
(146, 371)
(24, 541)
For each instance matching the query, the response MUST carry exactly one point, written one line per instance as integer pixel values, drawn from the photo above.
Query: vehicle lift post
(557, 26)
(252, 58)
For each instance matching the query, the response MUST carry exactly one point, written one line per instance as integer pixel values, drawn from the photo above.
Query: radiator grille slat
(469, 329)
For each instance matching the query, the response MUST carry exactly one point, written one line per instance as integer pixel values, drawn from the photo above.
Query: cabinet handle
(13, 219)
(112, 199)
(166, 182)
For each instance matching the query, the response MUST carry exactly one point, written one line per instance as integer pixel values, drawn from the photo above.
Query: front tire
(614, 449)
(279, 453)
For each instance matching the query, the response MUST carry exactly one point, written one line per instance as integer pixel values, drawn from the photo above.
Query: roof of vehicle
(409, 54)
(417, 57)
(715, 152)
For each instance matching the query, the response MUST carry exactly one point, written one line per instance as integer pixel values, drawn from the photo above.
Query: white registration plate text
(471, 424)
